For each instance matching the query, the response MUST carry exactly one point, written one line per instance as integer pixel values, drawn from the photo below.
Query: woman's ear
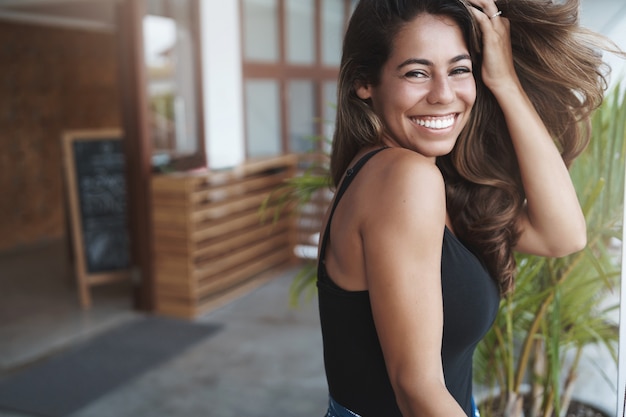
(364, 92)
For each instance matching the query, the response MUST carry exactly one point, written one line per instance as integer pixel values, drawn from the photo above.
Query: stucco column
(222, 83)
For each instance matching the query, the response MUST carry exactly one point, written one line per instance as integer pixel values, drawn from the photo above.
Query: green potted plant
(533, 351)
(306, 196)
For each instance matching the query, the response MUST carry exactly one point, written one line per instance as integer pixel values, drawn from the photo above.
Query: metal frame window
(291, 54)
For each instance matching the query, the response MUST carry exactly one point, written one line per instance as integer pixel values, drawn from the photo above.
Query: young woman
(460, 119)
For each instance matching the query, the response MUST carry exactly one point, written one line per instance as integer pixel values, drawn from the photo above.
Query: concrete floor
(267, 359)
(39, 308)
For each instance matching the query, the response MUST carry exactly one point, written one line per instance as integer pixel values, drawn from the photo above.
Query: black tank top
(355, 367)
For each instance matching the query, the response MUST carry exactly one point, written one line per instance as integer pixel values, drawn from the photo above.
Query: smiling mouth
(435, 122)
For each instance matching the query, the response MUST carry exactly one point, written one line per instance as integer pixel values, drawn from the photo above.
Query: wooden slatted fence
(210, 244)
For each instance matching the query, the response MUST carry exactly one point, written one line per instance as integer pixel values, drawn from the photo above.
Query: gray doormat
(69, 381)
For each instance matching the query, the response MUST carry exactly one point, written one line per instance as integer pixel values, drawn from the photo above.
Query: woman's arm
(402, 240)
(553, 223)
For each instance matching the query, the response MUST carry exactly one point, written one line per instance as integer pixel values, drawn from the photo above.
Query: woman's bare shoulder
(405, 171)
(402, 184)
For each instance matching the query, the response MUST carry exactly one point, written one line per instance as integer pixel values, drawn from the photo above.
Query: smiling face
(426, 89)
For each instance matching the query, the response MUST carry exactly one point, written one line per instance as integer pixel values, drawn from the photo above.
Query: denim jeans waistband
(337, 410)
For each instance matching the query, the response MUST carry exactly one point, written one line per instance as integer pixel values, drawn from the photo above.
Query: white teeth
(436, 123)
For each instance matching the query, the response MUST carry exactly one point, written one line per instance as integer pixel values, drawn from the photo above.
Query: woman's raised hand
(498, 71)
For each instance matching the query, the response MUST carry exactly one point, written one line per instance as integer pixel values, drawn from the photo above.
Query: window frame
(284, 72)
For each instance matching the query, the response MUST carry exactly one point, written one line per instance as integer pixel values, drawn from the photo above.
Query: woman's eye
(415, 74)
(461, 70)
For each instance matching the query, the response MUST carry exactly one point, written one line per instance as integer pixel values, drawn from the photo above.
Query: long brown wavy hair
(560, 66)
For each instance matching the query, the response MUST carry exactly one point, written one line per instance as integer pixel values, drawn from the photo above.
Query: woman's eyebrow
(426, 62)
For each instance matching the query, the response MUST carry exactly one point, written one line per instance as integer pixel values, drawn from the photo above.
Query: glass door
(170, 53)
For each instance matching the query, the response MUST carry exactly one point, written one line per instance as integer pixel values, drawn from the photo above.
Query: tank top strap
(347, 180)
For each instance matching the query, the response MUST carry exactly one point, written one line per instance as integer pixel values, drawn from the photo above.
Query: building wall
(609, 18)
(51, 79)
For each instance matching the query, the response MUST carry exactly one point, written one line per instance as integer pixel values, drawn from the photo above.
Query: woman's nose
(441, 91)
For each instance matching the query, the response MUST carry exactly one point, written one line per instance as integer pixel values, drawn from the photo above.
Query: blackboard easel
(96, 191)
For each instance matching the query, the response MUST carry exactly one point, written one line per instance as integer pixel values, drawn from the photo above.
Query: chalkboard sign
(95, 172)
